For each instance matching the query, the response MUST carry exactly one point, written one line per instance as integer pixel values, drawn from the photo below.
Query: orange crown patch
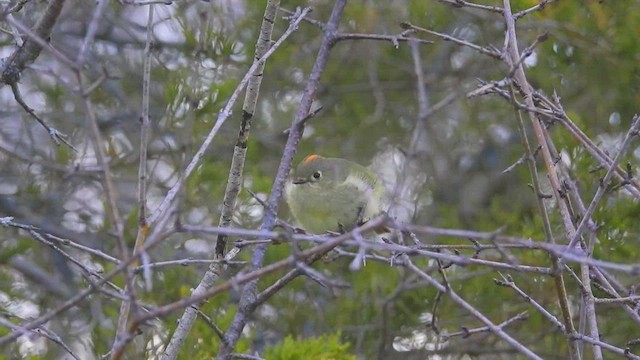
(310, 158)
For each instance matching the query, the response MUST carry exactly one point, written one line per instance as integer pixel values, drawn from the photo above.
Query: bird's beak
(299, 181)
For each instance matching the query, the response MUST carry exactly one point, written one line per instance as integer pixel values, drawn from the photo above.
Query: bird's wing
(362, 182)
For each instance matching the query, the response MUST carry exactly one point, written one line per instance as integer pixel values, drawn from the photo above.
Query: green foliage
(55, 94)
(325, 347)
(600, 37)
(17, 248)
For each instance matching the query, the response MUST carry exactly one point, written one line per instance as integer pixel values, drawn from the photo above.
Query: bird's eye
(317, 175)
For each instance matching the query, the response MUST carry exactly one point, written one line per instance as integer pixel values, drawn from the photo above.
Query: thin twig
(493, 328)
(143, 229)
(463, 3)
(55, 135)
(167, 202)
(538, 7)
(249, 292)
(512, 57)
(445, 37)
(244, 278)
(508, 281)
(468, 332)
(604, 183)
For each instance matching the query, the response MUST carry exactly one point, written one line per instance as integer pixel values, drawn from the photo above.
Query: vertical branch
(107, 181)
(145, 128)
(248, 298)
(561, 288)
(167, 203)
(143, 227)
(103, 162)
(264, 49)
(248, 110)
(589, 309)
(587, 316)
(234, 180)
(423, 98)
(512, 56)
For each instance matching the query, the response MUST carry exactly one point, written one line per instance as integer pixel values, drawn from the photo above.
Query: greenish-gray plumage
(332, 194)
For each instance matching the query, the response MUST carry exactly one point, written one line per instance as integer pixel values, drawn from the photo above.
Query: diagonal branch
(13, 66)
(234, 180)
(247, 301)
(512, 57)
(493, 328)
(604, 183)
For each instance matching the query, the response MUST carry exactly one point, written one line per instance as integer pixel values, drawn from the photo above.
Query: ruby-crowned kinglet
(331, 194)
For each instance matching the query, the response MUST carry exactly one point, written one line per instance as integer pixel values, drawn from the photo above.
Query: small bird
(333, 194)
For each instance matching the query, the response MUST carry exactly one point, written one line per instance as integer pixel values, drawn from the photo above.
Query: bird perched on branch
(333, 194)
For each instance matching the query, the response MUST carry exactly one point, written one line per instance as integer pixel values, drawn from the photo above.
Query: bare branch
(604, 183)
(445, 37)
(247, 302)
